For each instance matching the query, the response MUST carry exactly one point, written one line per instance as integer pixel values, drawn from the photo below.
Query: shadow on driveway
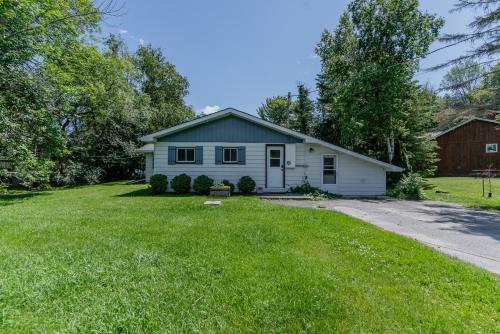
(470, 234)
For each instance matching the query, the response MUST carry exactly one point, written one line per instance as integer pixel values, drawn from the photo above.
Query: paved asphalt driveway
(469, 234)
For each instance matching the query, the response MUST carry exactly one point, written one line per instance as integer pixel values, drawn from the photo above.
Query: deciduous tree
(365, 84)
(276, 109)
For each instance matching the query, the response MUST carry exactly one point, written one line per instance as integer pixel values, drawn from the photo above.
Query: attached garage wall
(355, 177)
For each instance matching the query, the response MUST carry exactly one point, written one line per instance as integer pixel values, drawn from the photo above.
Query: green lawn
(465, 190)
(111, 258)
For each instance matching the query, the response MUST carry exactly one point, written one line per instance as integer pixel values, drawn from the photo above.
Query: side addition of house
(230, 144)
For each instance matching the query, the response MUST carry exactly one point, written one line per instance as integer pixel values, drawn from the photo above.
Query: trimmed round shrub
(158, 183)
(246, 184)
(181, 183)
(227, 183)
(202, 184)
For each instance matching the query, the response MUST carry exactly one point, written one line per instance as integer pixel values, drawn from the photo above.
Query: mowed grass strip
(112, 258)
(465, 190)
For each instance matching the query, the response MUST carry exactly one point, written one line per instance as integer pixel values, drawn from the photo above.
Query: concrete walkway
(468, 234)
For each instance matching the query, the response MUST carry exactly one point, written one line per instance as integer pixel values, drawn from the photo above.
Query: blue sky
(237, 53)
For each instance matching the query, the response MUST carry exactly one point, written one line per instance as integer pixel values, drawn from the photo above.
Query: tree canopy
(366, 87)
(72, 105)
(461, 80)
(276, 109)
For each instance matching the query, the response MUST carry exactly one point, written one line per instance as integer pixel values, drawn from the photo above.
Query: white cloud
(207, 110)
(141, 41)
(123, 31)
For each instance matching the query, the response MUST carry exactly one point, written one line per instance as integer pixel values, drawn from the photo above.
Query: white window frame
(224, 155)
(486, 148)
(335, 167)
(177, 149)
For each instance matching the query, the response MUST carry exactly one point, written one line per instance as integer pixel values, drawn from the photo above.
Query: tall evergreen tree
(483, 34)
(303, 111)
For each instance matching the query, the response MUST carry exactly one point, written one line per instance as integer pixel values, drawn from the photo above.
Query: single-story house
(470, 146)
(229, 144)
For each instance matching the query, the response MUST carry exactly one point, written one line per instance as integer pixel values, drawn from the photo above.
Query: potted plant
(220, 190)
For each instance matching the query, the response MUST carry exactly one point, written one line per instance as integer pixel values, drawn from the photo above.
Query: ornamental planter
(220, 192)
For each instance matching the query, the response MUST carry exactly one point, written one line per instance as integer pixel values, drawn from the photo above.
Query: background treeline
(72, 105)
(368, 98)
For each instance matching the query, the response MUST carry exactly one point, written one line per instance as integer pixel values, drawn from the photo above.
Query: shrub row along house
(230, 144)
(470, 146)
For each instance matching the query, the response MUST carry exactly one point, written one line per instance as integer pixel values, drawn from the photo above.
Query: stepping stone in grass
(214, 203)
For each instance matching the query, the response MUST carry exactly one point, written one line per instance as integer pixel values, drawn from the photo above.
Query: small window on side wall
(230, 155)
(492, 148)
(329, 169)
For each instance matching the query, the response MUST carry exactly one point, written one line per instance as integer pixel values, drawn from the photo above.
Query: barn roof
(466, 122)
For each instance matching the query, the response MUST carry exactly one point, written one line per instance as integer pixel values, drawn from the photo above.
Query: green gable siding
(230, 129)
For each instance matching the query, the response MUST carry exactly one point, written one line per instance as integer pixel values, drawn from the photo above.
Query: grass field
(465, 190)
(112, 259)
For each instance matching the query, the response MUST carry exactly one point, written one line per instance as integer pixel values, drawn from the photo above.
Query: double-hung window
(184, 155)
(329, 169)
(230, 155)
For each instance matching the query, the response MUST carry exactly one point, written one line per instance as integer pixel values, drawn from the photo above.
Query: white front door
(275, 167)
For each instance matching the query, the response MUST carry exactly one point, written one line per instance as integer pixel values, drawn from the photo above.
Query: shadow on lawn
(147, 193)
(10, 199)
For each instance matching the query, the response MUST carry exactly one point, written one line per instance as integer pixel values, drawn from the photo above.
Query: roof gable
(467, 122)
(230, 129)
(305, 138)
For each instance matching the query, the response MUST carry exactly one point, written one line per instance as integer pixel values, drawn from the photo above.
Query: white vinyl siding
(329, 169)
(148, 171)
(354, 176)
(254, 166)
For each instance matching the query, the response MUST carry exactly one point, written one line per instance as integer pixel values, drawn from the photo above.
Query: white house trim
(148, 148)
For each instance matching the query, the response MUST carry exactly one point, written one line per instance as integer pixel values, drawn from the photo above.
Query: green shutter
(198, 155)
(241, 155)
(218, 155)
(171, 155)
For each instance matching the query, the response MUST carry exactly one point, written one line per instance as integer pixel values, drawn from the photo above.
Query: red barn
(471, 145)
